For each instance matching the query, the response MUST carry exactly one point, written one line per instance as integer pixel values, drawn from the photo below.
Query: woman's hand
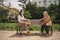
(41, 21)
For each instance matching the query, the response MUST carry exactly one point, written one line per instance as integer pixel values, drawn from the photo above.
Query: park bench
(35, 22)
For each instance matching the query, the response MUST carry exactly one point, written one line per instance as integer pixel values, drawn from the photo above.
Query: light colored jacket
(21, 19)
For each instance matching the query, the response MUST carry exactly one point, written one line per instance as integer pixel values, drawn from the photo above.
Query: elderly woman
(46, 23)
(23, 21)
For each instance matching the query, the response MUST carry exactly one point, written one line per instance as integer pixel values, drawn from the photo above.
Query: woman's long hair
(20, 13)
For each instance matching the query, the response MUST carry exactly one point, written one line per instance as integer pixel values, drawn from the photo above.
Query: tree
(54, 11)
(1, 2)
(36, 12)
(58, 15)
(12, 15)
(3, 13)
(7, 13)
(59, 2)
(31, 7)
(24, 1)
(27, 14)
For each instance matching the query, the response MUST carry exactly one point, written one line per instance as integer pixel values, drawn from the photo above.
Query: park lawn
(12, 26)
(8, 26)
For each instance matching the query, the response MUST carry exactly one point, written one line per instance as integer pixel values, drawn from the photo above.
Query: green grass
(8, 26)
(12, 26)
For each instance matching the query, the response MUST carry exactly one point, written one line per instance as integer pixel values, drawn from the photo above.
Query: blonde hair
(45, 12)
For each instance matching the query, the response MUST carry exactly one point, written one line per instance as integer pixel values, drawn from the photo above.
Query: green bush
(56, 27)
(3, 14)
(27, 14)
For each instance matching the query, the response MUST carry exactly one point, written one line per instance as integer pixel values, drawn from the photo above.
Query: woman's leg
(21, 27)
(51, 30)
(42, 28)
(47, 28)
(27, 27)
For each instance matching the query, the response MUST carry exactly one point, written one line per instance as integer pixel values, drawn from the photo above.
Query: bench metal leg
(17, 29)
(51, 31)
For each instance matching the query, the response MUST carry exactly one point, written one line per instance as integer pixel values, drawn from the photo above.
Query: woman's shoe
(28, 31)
(47, 35)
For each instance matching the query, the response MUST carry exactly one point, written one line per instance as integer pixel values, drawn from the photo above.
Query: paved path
(11, 35)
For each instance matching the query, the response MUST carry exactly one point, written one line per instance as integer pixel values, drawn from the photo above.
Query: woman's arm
(47, 19)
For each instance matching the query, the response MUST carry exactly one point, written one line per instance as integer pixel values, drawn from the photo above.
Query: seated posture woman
(46, 23)
(23, 21)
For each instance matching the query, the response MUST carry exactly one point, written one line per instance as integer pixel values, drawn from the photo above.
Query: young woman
(23, 21)
(46, 23)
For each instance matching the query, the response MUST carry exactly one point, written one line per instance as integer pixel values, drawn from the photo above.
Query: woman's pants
(47, 28)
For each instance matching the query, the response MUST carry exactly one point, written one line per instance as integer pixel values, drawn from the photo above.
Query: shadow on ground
(27, 34)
